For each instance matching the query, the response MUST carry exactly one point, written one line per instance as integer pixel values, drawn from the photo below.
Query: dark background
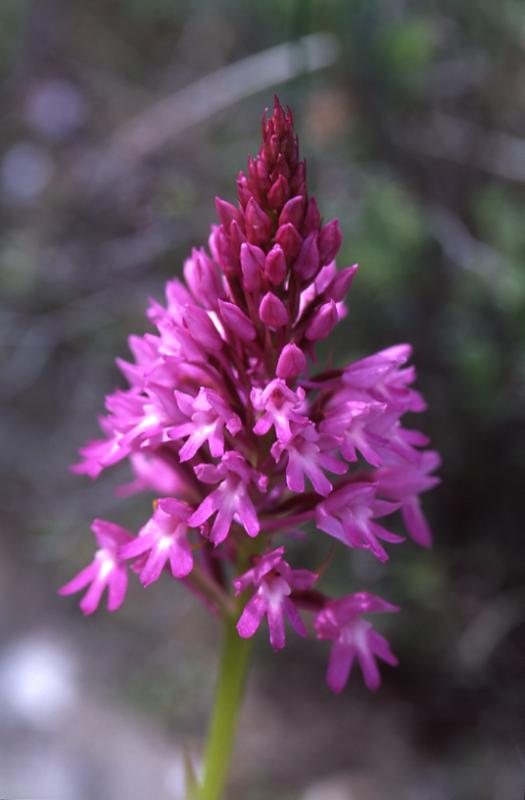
(411, 117)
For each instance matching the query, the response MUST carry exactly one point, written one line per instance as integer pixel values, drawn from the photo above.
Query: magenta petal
(153, 567)
(79, 581)
(138, 545)
(339, 666)
(181, 559)
(209, 505)
(416, 523)
(294, 617)
(251, 617)
(369, 668)
(91, 599)
(117, 588)
(222, 524)
(276, 626)
(248, 516)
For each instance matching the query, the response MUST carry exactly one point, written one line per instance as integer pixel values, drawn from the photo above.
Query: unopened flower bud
(237, 321)
(293, 212)
(330, 239)
(307, 262)
(227, 212)
(243, 190)
(272, 311)
(312, 218)
(291, 363)
(342, 282)
(289, 240)
(323, 322)
(252, 265)
(202, 277)
(275, 267)
(279, 193)
(201, 328)
(258, 225)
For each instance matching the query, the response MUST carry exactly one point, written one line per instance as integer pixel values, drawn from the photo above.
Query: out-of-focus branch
(488, 628)
(158, 124)
(462, 248)
(463, 142)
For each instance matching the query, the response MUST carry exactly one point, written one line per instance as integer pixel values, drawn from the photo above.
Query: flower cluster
(222, 423)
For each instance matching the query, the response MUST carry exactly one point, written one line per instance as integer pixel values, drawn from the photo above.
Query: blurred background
(121, 119)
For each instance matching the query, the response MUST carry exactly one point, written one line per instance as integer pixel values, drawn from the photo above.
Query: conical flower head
(240, 444)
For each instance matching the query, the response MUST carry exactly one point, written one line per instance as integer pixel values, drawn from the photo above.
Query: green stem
(230, 686)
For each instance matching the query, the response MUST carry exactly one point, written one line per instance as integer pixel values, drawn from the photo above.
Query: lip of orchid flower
(231, 500)
(208, 416)
(274, 581)
(307, 459)
(223, 423)
(281, 406)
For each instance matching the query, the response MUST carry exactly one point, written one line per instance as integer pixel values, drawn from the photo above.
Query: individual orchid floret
(381, 376)
(308, 454)
(361, 428)
(274, 581)
(106, 570)
(349, 515)
(231, 500)
(403, 483)
(208, 416)
(341, 622)
(163, 539)
(281, 406)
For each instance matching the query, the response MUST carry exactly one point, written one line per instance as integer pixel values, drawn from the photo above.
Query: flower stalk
(228, 698)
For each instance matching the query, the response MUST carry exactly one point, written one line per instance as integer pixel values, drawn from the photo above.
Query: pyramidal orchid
(242, 440)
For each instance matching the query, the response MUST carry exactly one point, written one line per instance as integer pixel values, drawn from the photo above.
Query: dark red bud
(323, 322)
(243, 191)
(330, 239)
(275, 267)
(307, 262)
(298, 181)
(258, 226)
(342, 282)
(227, 212)
(293, 212)
(281, 168)
(278, 118)
(279, 193)
(237, 237)
(289, 240)
(312, 218)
